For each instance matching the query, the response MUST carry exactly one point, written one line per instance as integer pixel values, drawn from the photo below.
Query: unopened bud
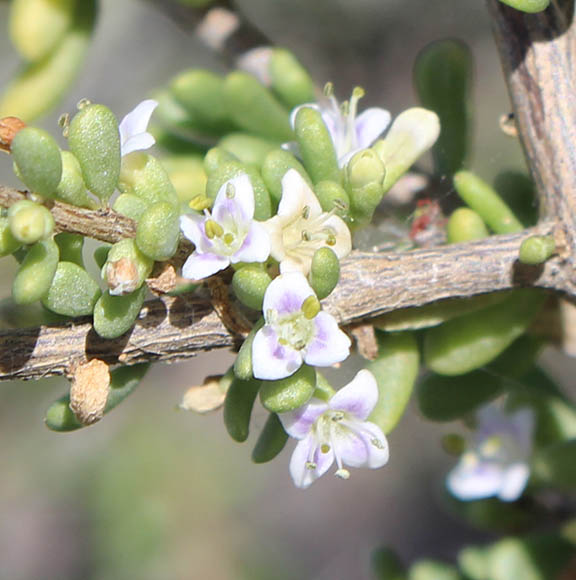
(30, 222)
(365, 168)
(89, 391)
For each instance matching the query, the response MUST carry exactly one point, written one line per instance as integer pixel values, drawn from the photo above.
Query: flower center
(224, 235)
(306, 234)
(296, 329)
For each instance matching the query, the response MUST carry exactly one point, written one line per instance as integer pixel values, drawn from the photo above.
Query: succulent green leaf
(271, 440)
(290, 393)
(238, 405)
(115, 315)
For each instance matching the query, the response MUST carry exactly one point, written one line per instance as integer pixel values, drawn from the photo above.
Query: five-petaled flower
(133, 128)
(228, 234)
(296, 331)
(349, 132)
(301, 227)
(336, 430)
(496, 462)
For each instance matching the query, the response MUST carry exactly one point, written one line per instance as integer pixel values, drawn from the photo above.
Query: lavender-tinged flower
(350, 132)
(301, 227)
(296, 331)
(497, 460)
(133, 128)
(227, 235)
(336, 431)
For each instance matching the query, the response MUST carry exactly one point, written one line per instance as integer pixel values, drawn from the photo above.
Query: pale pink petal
(139, 142)
(306, 454)
(256, 245)
(192, 226)
(358, 397)
(361, 444)
(199, 266)
(475, 482)
(296, 195)
(514, 482)
(329, 345)
(370, 124)
(240, 207)
(286, 293)
(271, 360)
(299, 422)
(136, 121)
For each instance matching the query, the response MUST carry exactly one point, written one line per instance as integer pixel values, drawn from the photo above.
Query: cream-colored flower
(301, 227)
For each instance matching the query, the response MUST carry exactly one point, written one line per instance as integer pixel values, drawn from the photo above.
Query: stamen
(310, 465)
(329, 89)
(230, 191)
(306, 212)
(325, 448)
(343, 474)
(377, 443)
(331, 240)
(337, 416)
(200, 203)
(213, 229)
(311, 307)
(306, 236)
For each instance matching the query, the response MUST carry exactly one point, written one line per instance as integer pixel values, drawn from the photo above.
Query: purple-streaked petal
(199, 266)
(139, 142)
(329, 345)
(239, 208)
(370, 124)
(256, 245)
(307, 452)
(136, 121)
(358, 397)
(299, 422)
(192, 226)
(470, 482)
(296, 194)
(514, 482)
(361, 444)
(270, 360)
(286, 293)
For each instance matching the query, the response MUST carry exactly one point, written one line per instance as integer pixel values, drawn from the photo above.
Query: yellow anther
(306, 212)
(331, 240)
(213, 229)
(200, 203)
(311, 307)
(329, 89)
(343, 474)
(358, 93)
(325, 448)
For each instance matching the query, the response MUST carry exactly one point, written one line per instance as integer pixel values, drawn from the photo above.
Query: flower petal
(274, 228)
(515, 480)
(199, 266)
(299, 422)
(306, 453)
(139, 142)
(361, 444)
(256, 245)
(240, 207)
(286, 293)
(343, 245)
(477, 481)
(136, 122)
(193, 229)
(270, 360)
(329, 345)
(296, 194)
(358, 397)
(370, 124)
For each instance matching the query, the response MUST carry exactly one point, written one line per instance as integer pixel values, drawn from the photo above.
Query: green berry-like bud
(271, 440)
(8, 243)
(537, 249)
(316, 146)
(324, 272)
(158, 231)
(254, 108)
(30, 222)
(248, 149)
(274, 168)
(530, 6)
(487, 203)
(186, 172)
(216, 157)
(249, 284)
(238, 405)
(72, 188)
(290, 393)
(143, 176)
(243, 362)
(73, 292)
(115, 315)
(70, 246)
(126, 268)
(37, 157)
(465, 225)
(94, 139)
(289, 79)
(131, 206)
(34, 277)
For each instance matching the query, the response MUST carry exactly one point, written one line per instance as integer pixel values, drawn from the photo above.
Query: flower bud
(73, 292)
(537, 249)
(158, 231)
(126, 268)
(248, 149)
(275, 166)
(37, 157)
(72, 188)
(254, 109)
(290, 393)
(30, 222)
(238, 407)
(216, 157)
(94, 139)
(8, 243)
(412, 133)
(487, 203)
(35, 275)
(271, 440)
(316, 146)
(324, 272)
(249, 284)
(289, 79)
(115, 315)
(131, 206)
(465, 225)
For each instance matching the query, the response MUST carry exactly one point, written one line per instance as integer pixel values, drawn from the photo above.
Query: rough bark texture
(537, 53)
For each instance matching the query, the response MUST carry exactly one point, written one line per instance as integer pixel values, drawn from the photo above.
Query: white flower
(301, 227)
(296, 331)
(350, 133)
(336, 431)
(496, 462)
(133, 128)
(227, 235)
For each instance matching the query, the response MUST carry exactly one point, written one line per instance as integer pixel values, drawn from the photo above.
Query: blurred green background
(156, 493)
